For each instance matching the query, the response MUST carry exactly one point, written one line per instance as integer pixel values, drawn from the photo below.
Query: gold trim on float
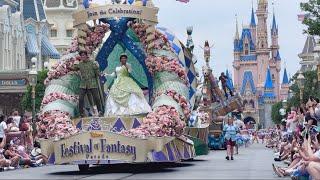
(149, 14)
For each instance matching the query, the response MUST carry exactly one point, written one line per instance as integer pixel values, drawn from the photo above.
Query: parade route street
(252, 163)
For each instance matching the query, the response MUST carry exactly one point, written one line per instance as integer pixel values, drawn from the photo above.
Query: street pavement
(253, 162)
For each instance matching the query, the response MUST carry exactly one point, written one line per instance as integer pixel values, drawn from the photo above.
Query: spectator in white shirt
(3, 127)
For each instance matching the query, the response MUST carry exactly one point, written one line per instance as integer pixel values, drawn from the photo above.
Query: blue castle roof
(253, 19)
(268, 86)
(285, 79)
(248, 78)
(238, 44)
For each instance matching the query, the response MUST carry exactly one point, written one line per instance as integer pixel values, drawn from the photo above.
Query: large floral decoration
(164, 120)
(56, 96)
(55, 124)
(58, 123)
(181, 100)
(159, 63)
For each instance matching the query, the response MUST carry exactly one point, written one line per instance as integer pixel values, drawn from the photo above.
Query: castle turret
(236, 43)
(253, 27)
(262, 30)
(236, 53)
(284, 92)
(262, 48)
(269, 99)
(274, 39)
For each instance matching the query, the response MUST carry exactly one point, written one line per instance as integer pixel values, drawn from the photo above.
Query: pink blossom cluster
(204, 117)
(57, 95)
(93, 39)
(160, 40)
(164, 121)
(184, 104)
(159, 63)
(56, 124)
(61, 69)
(74, 47)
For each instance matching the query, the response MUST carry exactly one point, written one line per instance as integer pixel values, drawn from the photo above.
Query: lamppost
(300, 81)
(33, 73)
(316, 52)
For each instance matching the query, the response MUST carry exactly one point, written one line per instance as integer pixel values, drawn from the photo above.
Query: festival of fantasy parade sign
(116, 10)
(104, 145)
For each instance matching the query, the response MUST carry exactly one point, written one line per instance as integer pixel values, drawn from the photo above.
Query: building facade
(257, 66)
(59, 14)
(308, 61)
(23, 35)
(13, 74)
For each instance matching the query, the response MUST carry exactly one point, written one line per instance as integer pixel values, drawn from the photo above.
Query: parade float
(164, 69)
(214, 104)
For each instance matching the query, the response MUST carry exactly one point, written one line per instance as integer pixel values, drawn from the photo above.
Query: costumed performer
(89, 79)
(125, 95)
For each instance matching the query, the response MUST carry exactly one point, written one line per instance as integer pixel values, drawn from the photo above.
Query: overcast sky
(214, 20)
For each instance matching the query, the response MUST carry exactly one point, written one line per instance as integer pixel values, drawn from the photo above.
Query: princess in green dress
(125, 95)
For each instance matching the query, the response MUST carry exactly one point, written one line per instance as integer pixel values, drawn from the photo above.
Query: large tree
(310, 89)
(312, 19)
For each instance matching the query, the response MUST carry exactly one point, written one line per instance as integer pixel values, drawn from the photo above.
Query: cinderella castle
(257, 66)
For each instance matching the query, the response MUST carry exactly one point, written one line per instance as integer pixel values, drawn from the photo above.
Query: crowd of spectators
(296, 142)
(18, 147)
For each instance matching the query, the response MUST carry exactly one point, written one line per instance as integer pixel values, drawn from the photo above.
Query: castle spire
(285, 79)
(236, 36)
(253, 19)
(268, 84)
(274, 29)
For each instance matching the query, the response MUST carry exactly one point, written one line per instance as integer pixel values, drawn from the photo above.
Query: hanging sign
(18, 82)
(113, 11)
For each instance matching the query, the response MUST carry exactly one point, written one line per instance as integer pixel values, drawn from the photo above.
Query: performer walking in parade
(230, 130)
(89, 74)
(240, 125)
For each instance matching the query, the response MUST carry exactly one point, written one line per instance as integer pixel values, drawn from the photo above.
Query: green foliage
(275, 114)
(40, 89)
(310, 89)
(312, 7)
